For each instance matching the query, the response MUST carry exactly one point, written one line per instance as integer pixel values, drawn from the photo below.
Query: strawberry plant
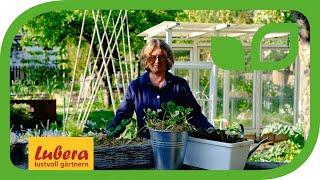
(175, 118)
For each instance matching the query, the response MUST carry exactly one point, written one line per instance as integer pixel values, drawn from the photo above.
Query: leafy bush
(296, 135)
(20, 114)
(72, 127)
(131, 130)
(284, 151)
(115, 131)
(277, 129)
(97, 120)
(127, 130)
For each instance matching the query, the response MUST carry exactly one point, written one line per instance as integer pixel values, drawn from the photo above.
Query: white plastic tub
(214, 155)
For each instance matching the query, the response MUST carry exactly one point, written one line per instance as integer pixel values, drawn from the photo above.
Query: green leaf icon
(227, 53)
(257, 64)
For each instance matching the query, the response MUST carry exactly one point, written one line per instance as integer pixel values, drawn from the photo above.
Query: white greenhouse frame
(200, 35)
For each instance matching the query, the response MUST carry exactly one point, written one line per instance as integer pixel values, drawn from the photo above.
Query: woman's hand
(102, 136)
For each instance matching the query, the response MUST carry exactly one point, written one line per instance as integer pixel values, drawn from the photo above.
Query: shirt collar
(145, 79)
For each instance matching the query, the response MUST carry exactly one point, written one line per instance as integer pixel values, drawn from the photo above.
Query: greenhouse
(254, 99)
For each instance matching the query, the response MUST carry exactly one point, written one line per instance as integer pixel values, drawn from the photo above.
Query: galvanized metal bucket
(168, 148)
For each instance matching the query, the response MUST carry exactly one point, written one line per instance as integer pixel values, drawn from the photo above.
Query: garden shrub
(284, 151)
(20, 114)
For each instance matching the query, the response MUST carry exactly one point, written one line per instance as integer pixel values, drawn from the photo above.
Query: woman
(157, 86)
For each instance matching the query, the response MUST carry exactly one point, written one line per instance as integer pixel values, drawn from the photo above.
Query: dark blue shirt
(141, 94)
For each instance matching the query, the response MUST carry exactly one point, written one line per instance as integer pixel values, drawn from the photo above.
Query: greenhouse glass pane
(181, 54)
(278, 96)
(240, 96)
(277, 91)
(219, 107)
(202, 95)
(205, 54)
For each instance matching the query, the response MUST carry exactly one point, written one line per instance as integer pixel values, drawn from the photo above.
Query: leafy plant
(127, 130)
(97, 120)
(231, 135)
(115, 131)
(131, 130)
(72, 127)
(277, 129)
(20, 114)
(51, 85)
(296, 135)
(175, 118)
(20, 89)
(284, 151)
(34, 85)
(233, 129)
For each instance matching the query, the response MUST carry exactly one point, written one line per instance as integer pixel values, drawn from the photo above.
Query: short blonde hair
(149, 48)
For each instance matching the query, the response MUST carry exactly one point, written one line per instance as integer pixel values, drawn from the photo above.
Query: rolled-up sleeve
(197, 118)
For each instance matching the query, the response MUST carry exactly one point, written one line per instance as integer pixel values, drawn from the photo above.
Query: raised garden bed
(129, 156)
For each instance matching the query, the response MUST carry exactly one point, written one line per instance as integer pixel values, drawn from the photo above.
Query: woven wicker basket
(131, 156)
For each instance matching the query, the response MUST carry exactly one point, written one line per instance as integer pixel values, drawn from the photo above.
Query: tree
(62, 29)
(304, 58)
(58, 28)
(236, 16)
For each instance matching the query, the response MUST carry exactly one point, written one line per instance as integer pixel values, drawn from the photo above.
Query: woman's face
(157, 61)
